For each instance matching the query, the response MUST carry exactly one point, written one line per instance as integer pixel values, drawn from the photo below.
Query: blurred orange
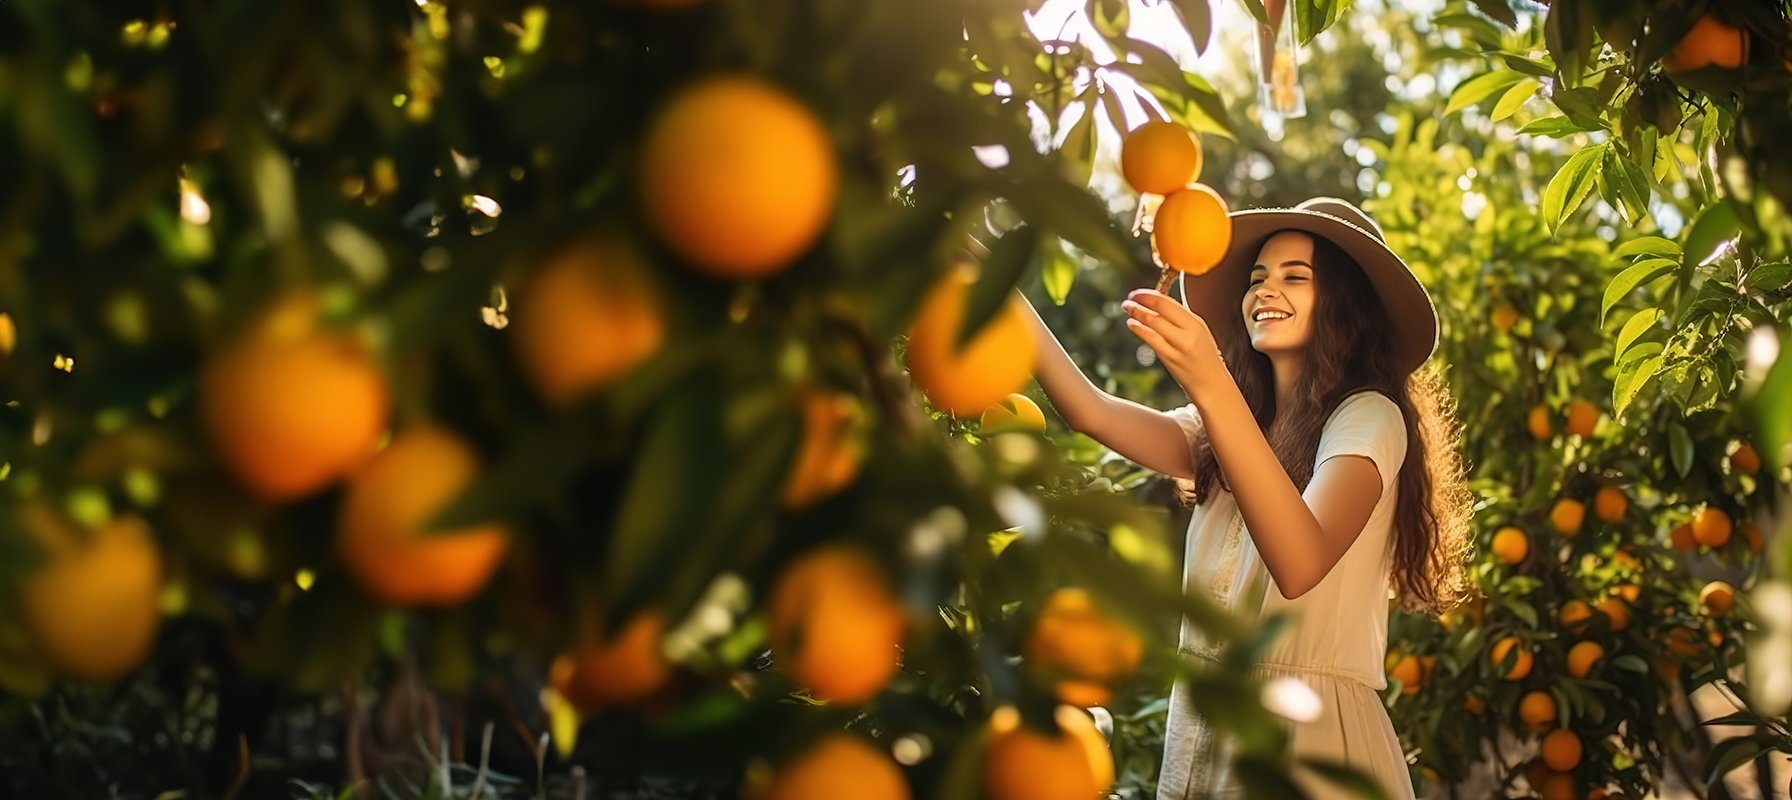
(1192, 232)
(1537, 421)
(1537, 710)
(1160, 157)
(1616, 610)
(1711, 527)
(1610, 504)
(1511, 545)
(1718, 598)
(828, 458)
(1575, 616)
(1071, 637)
(1567, 516)
(1521, 667)
(1710, 42)
(842, 765)
(1582, 656)
(1745, 459)
(835, 626)
(1024, 764)
(1015, 412)
(601, 671)
(995, 362)
(91, 609)
(1561, 750)
(585, 318)
(1582, 416)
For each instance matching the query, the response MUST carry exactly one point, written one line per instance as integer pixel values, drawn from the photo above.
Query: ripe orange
(1160, 157)
(1718, 598)
(1023, 764)
(995, 362)
(1682, 538)
(1192, 231)
(1575, 616)
(1711, 527)
(1538, 423)
(1537, 710)
(1710, 42)
(1715, 638)
(1521, 667)
(1629, 591)
(1558, 786)
(1745, 459)
(290, 408)
(1410, 673)
(1475, 704)
(842, 765)
(828, 458)
(1624, 557)
(1751, 533)
(1511, 545)
(1504, 317)
(383, 533)
(1073, 639)
(1684, 641)
(1567, 515)
(1582, 656)
(601, 671)
(585, 319)
(737, 176)
(1582, 416)
(1016, 412)
(1610, 504)
(91, 609)
(1561, 750)
(835, 627)
(1616, 610)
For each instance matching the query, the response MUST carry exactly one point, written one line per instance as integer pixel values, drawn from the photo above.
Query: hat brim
(1218, 295)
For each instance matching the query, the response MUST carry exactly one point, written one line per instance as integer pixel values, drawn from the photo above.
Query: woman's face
(1279, 303)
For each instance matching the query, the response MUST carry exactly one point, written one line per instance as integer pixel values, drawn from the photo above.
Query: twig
(351, 745)
(485, 754)
(242, 772)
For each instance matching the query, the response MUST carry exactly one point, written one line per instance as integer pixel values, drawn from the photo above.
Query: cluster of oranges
(1190, 231)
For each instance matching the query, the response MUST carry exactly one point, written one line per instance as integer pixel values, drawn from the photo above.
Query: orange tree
(389, 385)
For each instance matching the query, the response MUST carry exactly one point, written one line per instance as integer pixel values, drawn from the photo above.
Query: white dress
(1336, 638)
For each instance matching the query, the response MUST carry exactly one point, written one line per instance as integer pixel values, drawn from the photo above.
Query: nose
(1264, 291)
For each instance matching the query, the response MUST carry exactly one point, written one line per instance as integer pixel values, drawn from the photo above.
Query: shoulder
(1366, 424)
(1367, 407)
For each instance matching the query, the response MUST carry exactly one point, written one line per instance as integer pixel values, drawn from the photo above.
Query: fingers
(1150, 337)
(1151, 316)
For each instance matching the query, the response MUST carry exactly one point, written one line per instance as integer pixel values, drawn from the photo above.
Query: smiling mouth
(1269, 317)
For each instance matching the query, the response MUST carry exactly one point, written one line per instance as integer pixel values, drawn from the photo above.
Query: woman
(1320, 461)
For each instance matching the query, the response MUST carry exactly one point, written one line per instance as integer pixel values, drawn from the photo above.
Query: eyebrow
(1285, 264)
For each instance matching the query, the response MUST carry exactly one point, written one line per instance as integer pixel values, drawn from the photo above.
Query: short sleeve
(1366, 424)
(1190, 421)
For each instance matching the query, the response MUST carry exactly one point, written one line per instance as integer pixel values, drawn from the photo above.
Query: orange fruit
(1711, 527)
(841, 765)
(1715, 638)
(601, 671)
(1629, 591)
(585, 318)
(1597, 793)
(737, 176)
(1582, 656)
(1684, 641)
(1511, 545)
(835, 627)
(1751, 533)
(1191, 231)
(1710, 42)
(1504, 317)
(1015, 412)
(1538, 423)
(1537, 710)
(1682, 538)
(1024, 764)
(1575, 616)
(1521, 667)
(1536, 773)
(1610, 504)
(1626, 559)
(1582, 416)
(91, 608)
(1745, 459)
(1558, 786)
(1410, 673)
(829, 456)
(1561, 750)
(383, 533)
(996, 361)
(1616, 610)
(1071, 638)
(1475, 704)
(9, 334)
(1718, 598)
(291, 408)
(1567, 515)
(1160, 157)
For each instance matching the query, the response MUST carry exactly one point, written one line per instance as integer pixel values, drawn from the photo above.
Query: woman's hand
(1181, 339)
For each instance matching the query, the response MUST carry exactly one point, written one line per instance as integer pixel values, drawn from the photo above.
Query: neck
(1287, 369)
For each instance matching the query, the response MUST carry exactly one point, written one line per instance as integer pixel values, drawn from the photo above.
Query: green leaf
(996, 279)
(1729, 754)
(1632, 377)
(1773, 409)
(1769, 277)
(1714, 226)
(1500, 10)
(1640, 324)
(1632, 663)
(1479, 88)
(1110, 17)
(1680, 448)
(1571, 185)
(1528, 66)
(1647, 245)
(1633, 276)
(1568, 33)
(1058, 273)
(1555, 127)
(1197, 18)
(1313, 17)
(1078, 216)
(1256, 10)
(1515, 98)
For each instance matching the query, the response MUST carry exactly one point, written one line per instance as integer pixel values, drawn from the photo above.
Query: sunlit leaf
(1773, 409)
(1058, 273)
(1680, 448)
(1515, 98)
(1479, 88)
(1647, 245)
(1571, 185)
(1635, 275)
(1198, 19)
(1639, 325)
(1715, 225)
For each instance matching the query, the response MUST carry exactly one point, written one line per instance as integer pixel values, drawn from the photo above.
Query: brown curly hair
(1350, 352)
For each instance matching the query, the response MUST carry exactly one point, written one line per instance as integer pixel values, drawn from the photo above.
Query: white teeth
(1263, 315)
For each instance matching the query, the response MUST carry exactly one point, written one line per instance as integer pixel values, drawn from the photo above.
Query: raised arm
(1151, 438)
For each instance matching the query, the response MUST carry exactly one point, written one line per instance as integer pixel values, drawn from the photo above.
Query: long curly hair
(1350, 352)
